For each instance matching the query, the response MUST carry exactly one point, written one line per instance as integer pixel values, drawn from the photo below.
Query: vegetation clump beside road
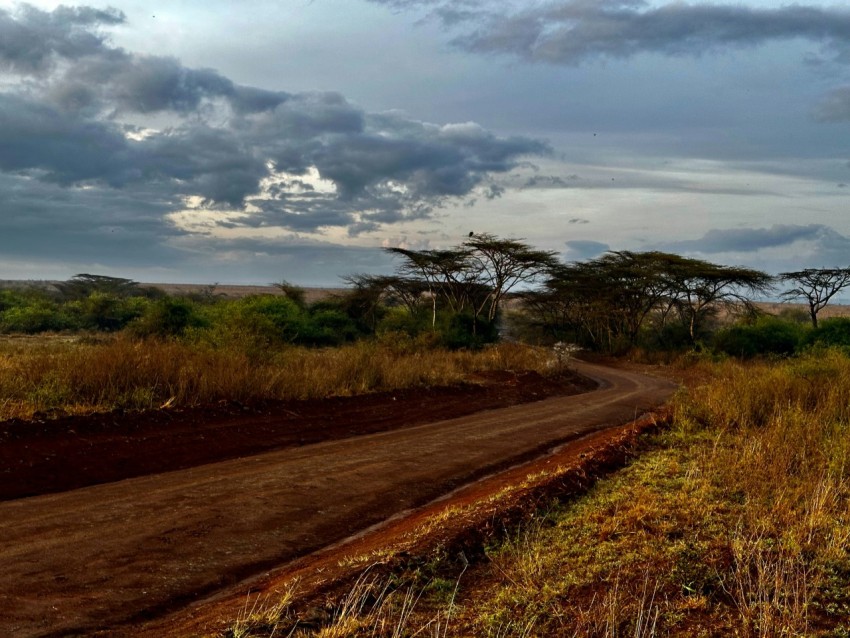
(736, 521)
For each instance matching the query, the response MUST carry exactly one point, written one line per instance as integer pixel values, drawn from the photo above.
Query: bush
(672, 336)
(327, 327)
(35, 318)
(764, 336)
(9, 299)
(107, 312)
(831, 332)
(465, 331)
(401, 321)
(255, 325)
(167, 317)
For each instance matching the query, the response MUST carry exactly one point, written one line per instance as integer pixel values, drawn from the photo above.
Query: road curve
(109, 555)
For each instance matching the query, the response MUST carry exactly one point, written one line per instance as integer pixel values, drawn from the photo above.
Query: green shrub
(400, 320)
(672, 336)
(167, 317)
(255, 325)
(35, 318)
(465, 331)
(765, 336)
(327, 327)
(831, 332)
(9, 299)
(106, 311)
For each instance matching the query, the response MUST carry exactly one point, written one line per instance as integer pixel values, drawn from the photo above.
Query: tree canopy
(607, 301)
(473, 278)
(817, 286)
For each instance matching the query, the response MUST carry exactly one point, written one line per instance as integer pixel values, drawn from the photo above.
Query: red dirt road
(105, 557)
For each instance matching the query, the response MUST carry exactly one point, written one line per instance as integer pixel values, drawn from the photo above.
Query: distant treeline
(456, 298)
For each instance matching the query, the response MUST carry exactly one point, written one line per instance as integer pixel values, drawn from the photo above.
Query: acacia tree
(608, 300)
(700, 288)
(295, 293)
(573, 294)
(448, 274)
(82, 285)
(391, 290)
(636, 285)
(817, 286)
(475, 276)
(503, 264)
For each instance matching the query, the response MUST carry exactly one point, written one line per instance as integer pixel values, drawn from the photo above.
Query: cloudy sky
(255, 141)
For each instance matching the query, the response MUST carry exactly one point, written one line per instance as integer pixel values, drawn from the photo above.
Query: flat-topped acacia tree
(447, 275)
(817, 286)
(701, 287)
(476, 275)
(82, 285)
(503, 264)
(607, 300)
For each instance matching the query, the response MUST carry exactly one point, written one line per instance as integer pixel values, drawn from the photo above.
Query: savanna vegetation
(735, 522)
(109, 343)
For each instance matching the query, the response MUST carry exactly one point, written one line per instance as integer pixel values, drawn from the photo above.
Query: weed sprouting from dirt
(265, 614)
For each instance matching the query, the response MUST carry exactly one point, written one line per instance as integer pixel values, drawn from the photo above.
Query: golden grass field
(53, 375)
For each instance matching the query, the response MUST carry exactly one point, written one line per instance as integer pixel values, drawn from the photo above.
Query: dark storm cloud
(92, 225)
(431, 161)
(99, 76)
(31, 39)
(383, 167)
(202, 160)
(41, 141)
(64, 123)
(62, 148)
(752, 239)
(128, 83)
(574, 31)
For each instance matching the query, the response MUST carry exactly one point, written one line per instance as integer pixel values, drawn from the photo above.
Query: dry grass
(734, 523)
(79, 377)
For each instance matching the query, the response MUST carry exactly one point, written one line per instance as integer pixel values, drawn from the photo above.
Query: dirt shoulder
(44, 457)
(107, 558)
(454, 528)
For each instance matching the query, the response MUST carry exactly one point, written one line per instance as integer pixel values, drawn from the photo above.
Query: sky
(261, 141)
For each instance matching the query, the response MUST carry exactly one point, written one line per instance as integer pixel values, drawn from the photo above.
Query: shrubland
(103, 344)
(733, 522)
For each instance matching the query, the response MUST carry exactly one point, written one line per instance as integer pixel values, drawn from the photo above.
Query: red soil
(165, 546)
(54, 456)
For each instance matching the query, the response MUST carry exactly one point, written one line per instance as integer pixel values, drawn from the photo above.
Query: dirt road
(106, 556)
